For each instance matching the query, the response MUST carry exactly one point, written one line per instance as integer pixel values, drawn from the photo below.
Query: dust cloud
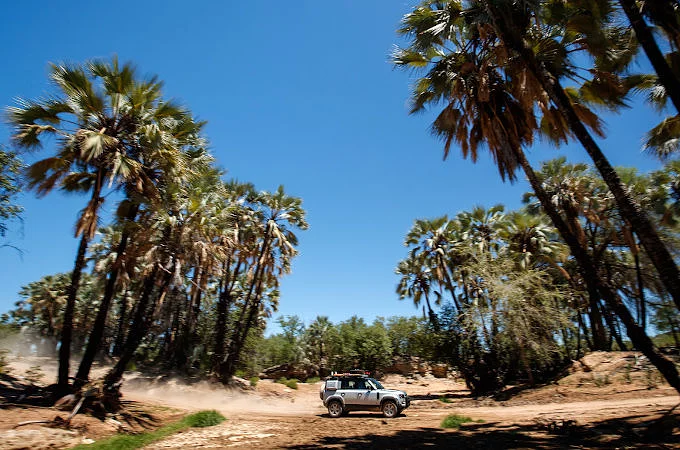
(34, 358)
(268, 398)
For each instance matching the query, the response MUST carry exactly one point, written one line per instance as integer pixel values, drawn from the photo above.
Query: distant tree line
(349, 344)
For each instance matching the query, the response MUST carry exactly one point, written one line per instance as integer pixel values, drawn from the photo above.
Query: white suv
(349, 392)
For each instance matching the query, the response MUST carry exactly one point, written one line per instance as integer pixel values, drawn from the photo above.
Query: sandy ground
(612, 400)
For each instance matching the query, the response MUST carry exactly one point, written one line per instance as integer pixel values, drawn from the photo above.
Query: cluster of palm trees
(497, 68)
(183, 243)
(509, 292)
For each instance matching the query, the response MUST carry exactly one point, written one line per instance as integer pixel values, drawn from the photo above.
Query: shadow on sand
(628, 432)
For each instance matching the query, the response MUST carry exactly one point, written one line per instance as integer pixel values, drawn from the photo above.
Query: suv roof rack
(352, 373)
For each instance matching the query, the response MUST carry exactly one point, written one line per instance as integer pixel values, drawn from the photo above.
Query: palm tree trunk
(646, 39)
(581, 328)
(642, 317)
(595, 317)
(123, 317)
(449, 283)
(614, 331)
(67, 327)
(95, 339)
(629, 209)
(183, 349)
(430, 313)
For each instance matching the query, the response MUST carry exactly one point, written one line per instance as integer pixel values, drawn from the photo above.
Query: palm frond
(663, 140)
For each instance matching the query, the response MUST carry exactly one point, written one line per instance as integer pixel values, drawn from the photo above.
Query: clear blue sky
(295, 93)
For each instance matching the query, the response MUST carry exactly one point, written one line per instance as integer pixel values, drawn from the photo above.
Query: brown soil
(609, 400)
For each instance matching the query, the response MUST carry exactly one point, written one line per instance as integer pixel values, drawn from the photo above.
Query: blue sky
(295, 93)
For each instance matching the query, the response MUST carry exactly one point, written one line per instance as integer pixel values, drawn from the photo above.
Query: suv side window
(353, 383)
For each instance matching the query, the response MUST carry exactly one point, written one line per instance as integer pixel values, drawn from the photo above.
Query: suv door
(366, 396)
(348, 391)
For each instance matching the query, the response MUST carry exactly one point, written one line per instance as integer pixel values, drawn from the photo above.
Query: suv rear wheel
(389, 409)
(335, 409)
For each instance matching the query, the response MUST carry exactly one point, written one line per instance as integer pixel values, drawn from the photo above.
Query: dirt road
(274, 416)
(607, 424)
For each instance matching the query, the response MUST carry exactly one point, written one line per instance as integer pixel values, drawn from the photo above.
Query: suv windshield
(376, 384)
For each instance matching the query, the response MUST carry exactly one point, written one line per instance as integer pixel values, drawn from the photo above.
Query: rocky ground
(608, 400)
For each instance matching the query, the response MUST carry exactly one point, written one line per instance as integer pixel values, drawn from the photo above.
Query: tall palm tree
(110, 125)
(87, 117)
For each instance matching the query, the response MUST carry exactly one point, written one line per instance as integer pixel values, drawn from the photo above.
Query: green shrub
(445, 399)
(455, 421)
(204, 419)
(253, 381)
(312, 380)
(130, 442)
(240, 374)
(292, 383)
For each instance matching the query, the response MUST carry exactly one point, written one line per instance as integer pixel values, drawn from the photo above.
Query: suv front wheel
(390, 409)
(335, 409)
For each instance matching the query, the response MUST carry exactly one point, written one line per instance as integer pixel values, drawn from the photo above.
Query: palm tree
(481, 226)
(432, 250)
(415, 283)
(87, 118)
